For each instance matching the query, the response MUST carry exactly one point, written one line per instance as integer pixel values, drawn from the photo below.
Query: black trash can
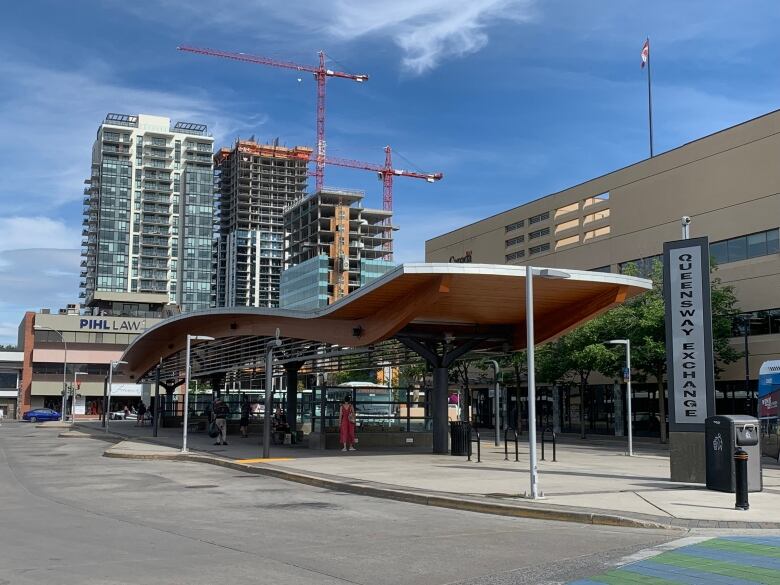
(723, 434)
(460, 437)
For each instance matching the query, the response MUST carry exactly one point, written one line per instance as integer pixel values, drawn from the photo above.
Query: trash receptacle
(722, 435)
(460, 436)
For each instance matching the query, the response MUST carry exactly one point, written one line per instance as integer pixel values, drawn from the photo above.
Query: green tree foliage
(642, 321)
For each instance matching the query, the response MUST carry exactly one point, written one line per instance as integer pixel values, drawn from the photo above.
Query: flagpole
(649, 98)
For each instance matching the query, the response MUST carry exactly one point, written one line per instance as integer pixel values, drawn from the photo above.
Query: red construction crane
(385, 173)
(320, 72)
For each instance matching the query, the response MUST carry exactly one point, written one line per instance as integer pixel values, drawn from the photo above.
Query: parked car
(41, 414)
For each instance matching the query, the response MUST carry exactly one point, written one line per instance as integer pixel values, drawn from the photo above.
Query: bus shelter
(438, 313)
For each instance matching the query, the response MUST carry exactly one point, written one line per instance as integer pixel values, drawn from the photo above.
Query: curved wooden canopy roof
(435, 298)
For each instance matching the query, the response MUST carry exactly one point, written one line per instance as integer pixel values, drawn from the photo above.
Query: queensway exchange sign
(688, 334)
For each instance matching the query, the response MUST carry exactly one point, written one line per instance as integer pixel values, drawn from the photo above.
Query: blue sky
(510, 99)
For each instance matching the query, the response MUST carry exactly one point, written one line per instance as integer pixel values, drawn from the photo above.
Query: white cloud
(21, 233)
(49, 118)
(426, 31)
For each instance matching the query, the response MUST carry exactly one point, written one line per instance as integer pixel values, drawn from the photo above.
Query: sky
(510, 99)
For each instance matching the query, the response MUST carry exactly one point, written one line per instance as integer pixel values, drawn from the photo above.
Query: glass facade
(113, 232)
(196, 215)
(370, 270)
(305, 286)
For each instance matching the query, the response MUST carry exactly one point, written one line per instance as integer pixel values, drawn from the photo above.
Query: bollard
(741, 473)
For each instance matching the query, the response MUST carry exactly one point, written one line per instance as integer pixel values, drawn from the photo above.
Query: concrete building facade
(727, 182)
(10, 377)
(255, 183)
(148, 210)
(333, 246)
(83, 345)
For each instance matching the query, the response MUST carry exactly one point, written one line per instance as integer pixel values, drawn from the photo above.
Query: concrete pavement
(69, 516)
(590, 482)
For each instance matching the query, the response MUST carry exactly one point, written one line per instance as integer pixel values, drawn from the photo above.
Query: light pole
(111, 367)
(530, 341)
(495, 401)
(627, 343)
(269, 394)
(190, 339)
(64, 366)
(73, 394)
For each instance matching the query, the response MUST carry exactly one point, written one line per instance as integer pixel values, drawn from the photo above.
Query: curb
(539, 512)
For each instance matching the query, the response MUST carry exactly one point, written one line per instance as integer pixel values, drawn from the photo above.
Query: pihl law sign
(688, 334)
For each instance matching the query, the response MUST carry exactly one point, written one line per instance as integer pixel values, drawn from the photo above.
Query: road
(70, 516)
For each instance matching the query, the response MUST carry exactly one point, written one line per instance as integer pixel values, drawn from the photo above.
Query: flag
(645, 53)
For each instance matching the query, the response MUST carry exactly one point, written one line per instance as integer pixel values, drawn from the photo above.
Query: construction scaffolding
(255, 182)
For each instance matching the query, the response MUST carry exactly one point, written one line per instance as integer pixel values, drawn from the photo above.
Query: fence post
(408, 410)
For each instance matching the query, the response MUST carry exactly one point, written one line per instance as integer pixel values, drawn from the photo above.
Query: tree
(518, 361)
(643, 321)
(8, 347)
(583, 352)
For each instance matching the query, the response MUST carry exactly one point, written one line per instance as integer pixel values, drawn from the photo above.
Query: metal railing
(554, 436)
(506, 445)
(477, 441)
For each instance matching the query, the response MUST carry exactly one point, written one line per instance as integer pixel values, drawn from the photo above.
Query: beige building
(727, 182)
(84, 345)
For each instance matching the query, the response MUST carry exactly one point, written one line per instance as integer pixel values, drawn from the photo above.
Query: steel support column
(440, 410)
(291, 370)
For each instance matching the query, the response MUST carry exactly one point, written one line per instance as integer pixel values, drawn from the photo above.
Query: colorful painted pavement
(738, 560)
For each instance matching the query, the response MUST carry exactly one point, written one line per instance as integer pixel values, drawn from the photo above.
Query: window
(567, 225)
(514, 226)
(539, 233)
(537, 218)
(607, 268)
(641, 266)
(515, 255)
(604, 231)
(744, 247)
(513, 241)
(597, 199)
(761, 322)
(604, 213)
(567, 242)
(538, 249)
(567, 209)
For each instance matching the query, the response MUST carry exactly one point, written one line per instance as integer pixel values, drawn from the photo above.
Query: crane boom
(320, 74)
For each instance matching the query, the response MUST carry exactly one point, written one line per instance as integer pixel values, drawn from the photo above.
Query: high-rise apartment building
(334, 245)
(255, 183)
(148, 211)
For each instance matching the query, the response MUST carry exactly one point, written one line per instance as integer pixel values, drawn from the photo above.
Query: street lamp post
(73, 394)
(627, 343)
(496, 406)
(64, 367)
(107, 411)
(530, 342)
(190, 339)
(269, 393)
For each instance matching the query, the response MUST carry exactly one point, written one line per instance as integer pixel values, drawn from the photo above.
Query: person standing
(347, 424)
(243, 426)
(221, 412)
(141, 414)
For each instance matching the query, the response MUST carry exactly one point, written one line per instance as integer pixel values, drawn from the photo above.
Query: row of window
(744, 247)
(539, 233)
(513, 241)
(537, 218)
(763, 322)
(514, 226)
(538, 249)
(515, 255)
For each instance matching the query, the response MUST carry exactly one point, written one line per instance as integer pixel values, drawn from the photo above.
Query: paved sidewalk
(735, 560)
(589, 478)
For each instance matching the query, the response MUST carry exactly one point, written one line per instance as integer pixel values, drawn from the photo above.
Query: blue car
(41, 414)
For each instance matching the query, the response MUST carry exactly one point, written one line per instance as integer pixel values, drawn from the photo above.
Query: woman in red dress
(347, 424)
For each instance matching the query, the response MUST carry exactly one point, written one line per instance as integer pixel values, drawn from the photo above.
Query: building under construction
(255, 183)
(333, 246)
